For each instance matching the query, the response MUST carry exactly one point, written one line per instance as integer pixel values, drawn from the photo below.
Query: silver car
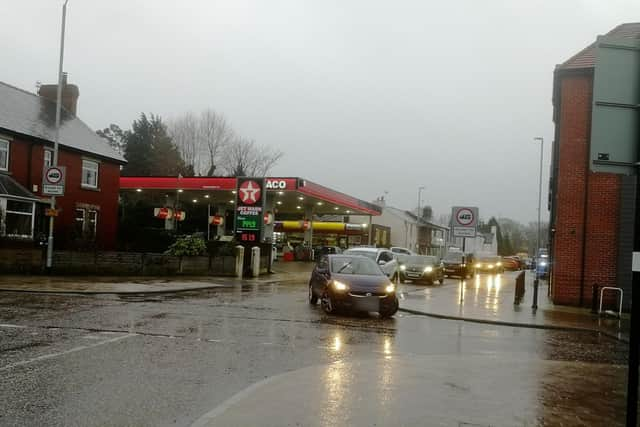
(386, 259)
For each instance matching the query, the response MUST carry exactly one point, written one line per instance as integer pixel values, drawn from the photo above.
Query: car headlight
(403, 267)
(339, 286)
(463, 265)
(499, 264)
(390, 288)
(543, 263)
(478, 265)
(428, 269)
(490, 266)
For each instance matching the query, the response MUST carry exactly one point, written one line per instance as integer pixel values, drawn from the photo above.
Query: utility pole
(536, 281)
(634, 332)
(57, 135)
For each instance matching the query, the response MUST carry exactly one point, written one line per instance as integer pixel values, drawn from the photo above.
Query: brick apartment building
(88, 215)
(591, 211)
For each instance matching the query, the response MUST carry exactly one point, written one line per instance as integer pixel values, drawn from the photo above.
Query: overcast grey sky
(363, 96)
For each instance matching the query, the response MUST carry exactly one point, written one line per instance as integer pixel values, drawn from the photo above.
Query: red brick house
(89, 208)
(591, 212)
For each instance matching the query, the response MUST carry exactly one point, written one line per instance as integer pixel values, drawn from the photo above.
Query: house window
(18, 218)
(79, 223)
(4, 155)
(90, 174)
(48, 158)
(86, 223)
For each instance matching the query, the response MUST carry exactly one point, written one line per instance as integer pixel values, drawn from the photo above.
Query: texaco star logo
(249, 192)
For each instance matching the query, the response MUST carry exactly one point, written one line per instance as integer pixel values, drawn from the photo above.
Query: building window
(79, 223)
(86, 223)
(18, 218)
(48, 158)
(91, 225)
(4, 155)
(90, 174)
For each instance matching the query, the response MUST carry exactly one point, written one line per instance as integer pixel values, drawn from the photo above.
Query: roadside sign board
(615, 121)
(464, 220)
(250, 198)
(53, 181)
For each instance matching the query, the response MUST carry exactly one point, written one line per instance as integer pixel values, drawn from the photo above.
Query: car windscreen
(453, 257)
(355, 265)
(368, 254)
(421, 260)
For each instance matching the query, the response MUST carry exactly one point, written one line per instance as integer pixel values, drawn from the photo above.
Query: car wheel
(313, 298)
(384, 314)
(327, 304)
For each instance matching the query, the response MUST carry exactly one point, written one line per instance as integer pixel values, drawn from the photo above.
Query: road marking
(6, 325)
(63, 353)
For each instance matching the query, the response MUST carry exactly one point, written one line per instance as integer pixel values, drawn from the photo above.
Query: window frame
(5, 212)
(83, 184)
(88, 225)
(3, 141)
(81, 221)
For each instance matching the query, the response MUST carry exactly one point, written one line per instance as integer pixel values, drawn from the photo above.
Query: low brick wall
(28, 261)
(32, 261)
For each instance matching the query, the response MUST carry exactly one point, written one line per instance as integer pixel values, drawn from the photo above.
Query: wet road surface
(258, 354)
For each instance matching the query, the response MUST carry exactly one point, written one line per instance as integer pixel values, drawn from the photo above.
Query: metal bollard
(255, 261)
(594, 298)
(535, 293)
(239, 261)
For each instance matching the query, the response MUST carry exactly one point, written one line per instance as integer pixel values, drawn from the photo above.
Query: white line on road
(6, 325)
(62, 353)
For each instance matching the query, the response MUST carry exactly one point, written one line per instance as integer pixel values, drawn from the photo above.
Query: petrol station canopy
(289, 195)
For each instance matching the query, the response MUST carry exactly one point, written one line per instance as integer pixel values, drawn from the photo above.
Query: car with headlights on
(348, 282)
(459, 265)
(421, 268)
(491, 264)
(542, 266)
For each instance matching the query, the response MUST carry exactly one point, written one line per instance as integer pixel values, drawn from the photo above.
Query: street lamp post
(537, 278)
(57, 134)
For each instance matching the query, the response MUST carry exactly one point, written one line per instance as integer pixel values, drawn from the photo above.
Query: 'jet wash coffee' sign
(250, 197)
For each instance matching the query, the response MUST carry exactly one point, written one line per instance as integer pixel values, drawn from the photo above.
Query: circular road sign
(464, 216)
(53, 176)
(249, 192)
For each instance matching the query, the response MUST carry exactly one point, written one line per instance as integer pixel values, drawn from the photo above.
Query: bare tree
(184, 132)
(245, 158)
(216, 135)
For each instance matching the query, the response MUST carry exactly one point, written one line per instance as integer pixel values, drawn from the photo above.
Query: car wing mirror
(382, 262)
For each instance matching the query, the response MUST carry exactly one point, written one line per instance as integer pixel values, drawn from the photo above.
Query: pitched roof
(412, 218)
(10, 187)
(32, 115)
(586, 58)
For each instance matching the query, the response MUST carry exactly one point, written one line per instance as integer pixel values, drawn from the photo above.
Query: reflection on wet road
(172, 359)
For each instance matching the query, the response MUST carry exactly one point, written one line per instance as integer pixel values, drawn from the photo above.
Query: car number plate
(414, 275)
(368, 304)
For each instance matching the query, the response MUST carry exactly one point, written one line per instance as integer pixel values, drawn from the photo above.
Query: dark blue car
(352, 283)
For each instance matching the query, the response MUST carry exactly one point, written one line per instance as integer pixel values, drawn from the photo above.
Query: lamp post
(536, 280)
(57, 133)
(419, 199)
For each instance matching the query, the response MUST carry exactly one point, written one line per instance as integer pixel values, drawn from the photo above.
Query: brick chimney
(70, 94)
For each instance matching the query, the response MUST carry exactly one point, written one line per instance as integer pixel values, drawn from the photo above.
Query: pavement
(490, 299)
(483, 299)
